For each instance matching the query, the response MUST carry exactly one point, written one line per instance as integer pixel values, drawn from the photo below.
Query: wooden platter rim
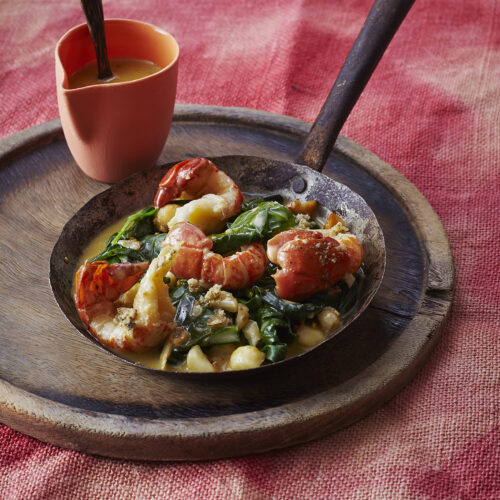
(29, 413)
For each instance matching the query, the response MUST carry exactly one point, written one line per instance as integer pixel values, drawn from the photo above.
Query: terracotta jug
(117, 129)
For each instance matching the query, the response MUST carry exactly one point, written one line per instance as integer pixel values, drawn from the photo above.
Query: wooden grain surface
(57, 386)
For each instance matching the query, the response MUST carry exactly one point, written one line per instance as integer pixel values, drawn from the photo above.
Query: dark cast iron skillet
(302, 179)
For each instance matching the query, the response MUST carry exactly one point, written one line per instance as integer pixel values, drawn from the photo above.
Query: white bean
(196, 361)
(219, 356)
(246, 357)
(196, 310)
(251, 332)
(309, 336)
(329, 318)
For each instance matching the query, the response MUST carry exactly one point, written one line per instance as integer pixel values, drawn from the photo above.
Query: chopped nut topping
(212, 295)
(219, 319)
(197, 285)
(125, 316)
(303, 221)
(178, 336)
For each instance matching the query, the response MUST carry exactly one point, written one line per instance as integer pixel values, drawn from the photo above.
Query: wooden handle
(382, 22)
(95, 20)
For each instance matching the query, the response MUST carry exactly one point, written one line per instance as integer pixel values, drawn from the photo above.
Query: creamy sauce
(98, 243)
(124, 69)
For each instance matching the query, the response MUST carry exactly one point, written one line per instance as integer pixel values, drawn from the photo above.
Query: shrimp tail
(175, 179)
(311, 262)
(214, 195)
(101, 282)
(195, 260)
(240, 270)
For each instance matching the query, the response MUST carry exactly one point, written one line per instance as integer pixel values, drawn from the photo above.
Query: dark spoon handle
(95, 20)
(382, 22)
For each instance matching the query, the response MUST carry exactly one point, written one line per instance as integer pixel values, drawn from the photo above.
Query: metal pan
(302, 179)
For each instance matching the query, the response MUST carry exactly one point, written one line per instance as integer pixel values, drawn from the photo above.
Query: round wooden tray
(57, 386)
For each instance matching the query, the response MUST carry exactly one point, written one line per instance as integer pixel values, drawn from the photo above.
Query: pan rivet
(299, 185)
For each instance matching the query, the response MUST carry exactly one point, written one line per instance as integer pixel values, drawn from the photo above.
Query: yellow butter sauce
(98, 243)
(124, 69)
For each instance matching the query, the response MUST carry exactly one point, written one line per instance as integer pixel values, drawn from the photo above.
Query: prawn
(215, 195)
(147, 316)
(195, 260)
(311, 261)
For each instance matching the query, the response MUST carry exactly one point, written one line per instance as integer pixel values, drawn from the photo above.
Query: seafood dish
(210, 279)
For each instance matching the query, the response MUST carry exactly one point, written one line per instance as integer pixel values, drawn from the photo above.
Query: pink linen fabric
(432, 110)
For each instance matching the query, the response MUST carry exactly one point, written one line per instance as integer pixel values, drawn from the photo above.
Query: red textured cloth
(432, 110)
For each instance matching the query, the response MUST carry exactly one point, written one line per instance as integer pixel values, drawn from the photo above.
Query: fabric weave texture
(431, 110)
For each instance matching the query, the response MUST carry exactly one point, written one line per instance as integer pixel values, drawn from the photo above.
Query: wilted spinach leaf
(275, 352)
(274, 315)
(293, 310)
(137, 225)
(151, 245)
(150, 248)
(260, 223)
(256, 200)
(116, 253)
(275, 326)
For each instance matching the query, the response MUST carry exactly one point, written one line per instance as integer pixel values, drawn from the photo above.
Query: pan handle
(382, 22)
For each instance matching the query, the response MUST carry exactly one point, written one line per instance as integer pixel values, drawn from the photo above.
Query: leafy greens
(200, 333)
(139, 226)
(262, 222)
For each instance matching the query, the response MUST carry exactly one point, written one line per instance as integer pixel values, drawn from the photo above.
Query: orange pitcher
(116, 129)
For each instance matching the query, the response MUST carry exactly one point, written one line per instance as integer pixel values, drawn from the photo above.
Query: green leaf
(151, 245)
(293, 310)
(225, 242)
(268, 218)
(178, 292)
(348, 296)
(262, 222)
(116, 254)
(256, 200)
(275, 352)
(340, 296)
(150, 248)
(275, 327)
(222, 335)
(137, 225)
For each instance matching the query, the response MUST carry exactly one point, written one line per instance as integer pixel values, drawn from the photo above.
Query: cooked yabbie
(207, 281)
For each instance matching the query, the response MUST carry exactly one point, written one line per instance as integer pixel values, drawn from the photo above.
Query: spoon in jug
(95, 21)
